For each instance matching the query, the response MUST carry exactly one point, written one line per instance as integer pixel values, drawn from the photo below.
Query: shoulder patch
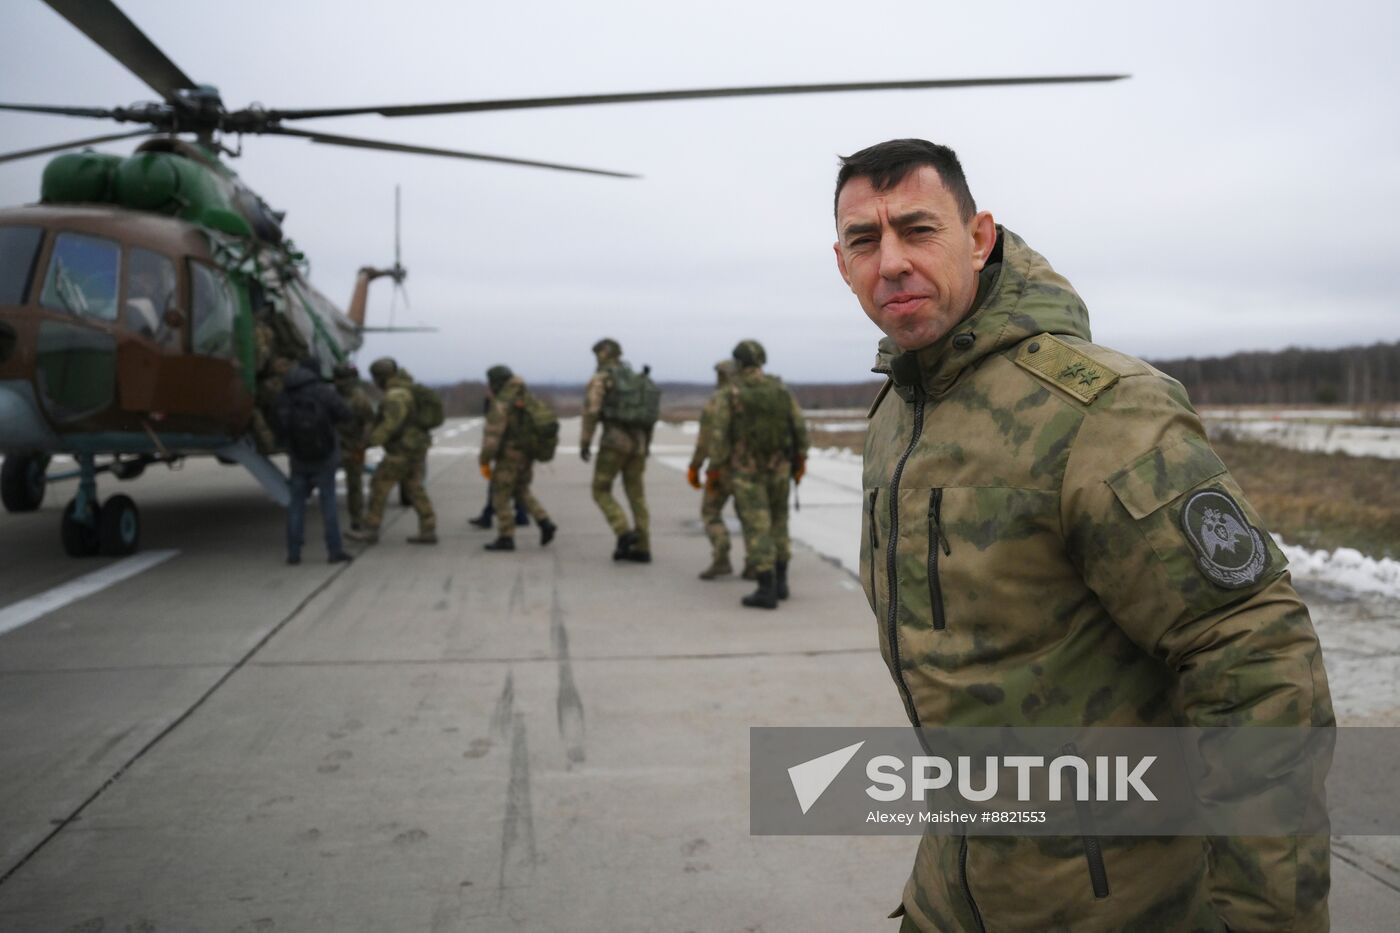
(1064, 367)
(1229, 550)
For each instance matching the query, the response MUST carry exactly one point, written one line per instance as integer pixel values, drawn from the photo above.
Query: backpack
(632, 399)
(539, 428)
(763, 416)
(310, 434)
(427, 408)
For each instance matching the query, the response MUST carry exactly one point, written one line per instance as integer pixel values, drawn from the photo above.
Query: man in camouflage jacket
(1049, 540)
(506, 464)
(765, 452)
(716, 486)
(353, 432)
(620, 450)
(405, 454)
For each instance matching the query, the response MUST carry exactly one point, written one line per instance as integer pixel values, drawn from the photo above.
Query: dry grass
(1319, 500)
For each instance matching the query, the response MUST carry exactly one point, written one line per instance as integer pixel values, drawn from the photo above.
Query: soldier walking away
(716, 485)
(353, 432)
(1032, 549)
(627, 404)
(487, 518)
(758, 430)
(407, 415)
(521, 429)
(307, 413)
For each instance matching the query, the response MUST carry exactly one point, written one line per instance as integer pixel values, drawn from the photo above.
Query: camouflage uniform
(405, 456)
(512, 467)
(716, 488)
(270, 368)
(1031, 549)
(620, 450)
(760, 480)
(352, 440)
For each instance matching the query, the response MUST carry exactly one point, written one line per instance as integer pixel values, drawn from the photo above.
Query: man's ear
(984, 238)
(841, 264)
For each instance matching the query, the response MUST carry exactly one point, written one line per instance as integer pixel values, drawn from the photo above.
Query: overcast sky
(1239, 192)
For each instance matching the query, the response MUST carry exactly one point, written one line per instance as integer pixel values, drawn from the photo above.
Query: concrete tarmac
(433, 738)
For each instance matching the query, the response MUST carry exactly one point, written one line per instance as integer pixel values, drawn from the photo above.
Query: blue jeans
(303, 481)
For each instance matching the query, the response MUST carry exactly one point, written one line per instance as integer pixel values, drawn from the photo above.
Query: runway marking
(35, 607)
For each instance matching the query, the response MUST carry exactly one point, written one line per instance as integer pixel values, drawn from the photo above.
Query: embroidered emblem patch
(1229, 550)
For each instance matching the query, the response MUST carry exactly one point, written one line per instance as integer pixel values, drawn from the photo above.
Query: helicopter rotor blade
(526, 103)
(109, 27)
(59, 147)
(356, 142)
(98, 112)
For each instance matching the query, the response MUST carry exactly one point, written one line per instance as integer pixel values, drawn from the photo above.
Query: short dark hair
(886, 164)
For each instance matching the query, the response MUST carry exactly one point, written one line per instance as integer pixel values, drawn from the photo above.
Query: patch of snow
(1345, 567)
(1357, 440)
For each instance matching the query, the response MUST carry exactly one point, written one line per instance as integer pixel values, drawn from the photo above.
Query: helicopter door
(148, 311)
(77, 355)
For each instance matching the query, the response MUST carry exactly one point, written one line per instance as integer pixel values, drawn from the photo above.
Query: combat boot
(483, 522)
(638, 557)
(625, 542)
(423, 537)
(364, 536)
(547, 530)
(766, 596)
(719, 567)
(500, 544)
(780, 586)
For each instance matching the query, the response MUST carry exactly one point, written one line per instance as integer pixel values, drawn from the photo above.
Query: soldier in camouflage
(506, 463)
(620, 450)
(405, 454)
(353, 433)
(757, 429)
(1048, 539)
(716, 486)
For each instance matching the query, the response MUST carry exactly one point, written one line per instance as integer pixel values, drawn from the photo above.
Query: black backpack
(310, 434)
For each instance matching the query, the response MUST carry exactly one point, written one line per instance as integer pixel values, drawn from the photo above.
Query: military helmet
(497, 377)
(749, 353)
(383, 368)
(608, 347)
(345, 371)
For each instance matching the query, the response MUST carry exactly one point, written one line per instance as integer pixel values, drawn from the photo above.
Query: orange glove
(800, 471)
(692, 476)
(486, 471)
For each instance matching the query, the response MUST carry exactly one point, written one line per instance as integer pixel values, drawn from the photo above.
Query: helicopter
(138, 296)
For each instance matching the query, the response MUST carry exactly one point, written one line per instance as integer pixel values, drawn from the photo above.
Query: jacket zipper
(874, 532)
(967, 888)
(936, 540)
(890, 571)
(1093, 848)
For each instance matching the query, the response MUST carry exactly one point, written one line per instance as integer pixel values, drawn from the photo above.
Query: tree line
(1348, 376)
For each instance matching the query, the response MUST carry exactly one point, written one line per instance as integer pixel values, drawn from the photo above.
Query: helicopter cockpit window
(212, 312)
(19, 247)
(82, 276)
(150, 292)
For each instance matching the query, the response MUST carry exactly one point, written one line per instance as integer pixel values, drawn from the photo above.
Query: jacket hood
(1018, 296)
(399, 380)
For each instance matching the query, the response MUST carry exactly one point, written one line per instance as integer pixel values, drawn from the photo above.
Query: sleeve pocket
(1163, 474)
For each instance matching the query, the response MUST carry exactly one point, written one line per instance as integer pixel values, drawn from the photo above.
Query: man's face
(909, 257)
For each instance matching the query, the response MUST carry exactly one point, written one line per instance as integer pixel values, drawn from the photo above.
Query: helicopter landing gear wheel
(118, 527)
(80, 539)
(23, 479)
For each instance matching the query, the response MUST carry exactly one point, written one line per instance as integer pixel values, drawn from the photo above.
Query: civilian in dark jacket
(308, 409)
